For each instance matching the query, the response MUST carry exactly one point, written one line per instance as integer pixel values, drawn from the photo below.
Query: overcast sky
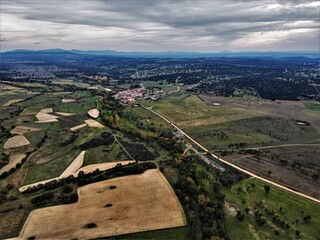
(151, 25)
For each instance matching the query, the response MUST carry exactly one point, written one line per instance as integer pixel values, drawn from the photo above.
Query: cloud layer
(152, 25)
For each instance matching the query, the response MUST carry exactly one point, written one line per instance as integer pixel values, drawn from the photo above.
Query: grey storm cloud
(154, 25)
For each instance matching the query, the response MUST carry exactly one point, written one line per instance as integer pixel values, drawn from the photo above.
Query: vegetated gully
(228, 163)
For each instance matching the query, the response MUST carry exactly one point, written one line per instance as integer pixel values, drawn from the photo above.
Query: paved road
(231, 164)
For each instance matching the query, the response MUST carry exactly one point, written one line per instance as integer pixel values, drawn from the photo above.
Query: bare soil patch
(140, 202)
(16, 141)
(93, 123)
(23, 129)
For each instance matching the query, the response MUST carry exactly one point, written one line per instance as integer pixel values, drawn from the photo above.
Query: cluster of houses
(129, 97)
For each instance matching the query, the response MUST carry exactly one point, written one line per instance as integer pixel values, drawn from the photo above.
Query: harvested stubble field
(13, 101)
(94, 113)
(101, 166)
(14, 159)
(93, 123)
(16, 141)
(23, 129)
(75, 128)
(139, 203)
(45, 117)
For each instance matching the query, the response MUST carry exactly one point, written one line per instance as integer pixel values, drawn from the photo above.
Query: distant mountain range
(168, 54)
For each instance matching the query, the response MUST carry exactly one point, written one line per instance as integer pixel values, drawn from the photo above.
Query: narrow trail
(231, 164)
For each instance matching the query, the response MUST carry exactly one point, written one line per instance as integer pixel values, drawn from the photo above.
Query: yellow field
(23, 129)
(16, 141)
(140, 202)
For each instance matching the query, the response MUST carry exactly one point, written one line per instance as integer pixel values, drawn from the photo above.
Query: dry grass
(23, 129)
(46, 110)
(12, 101)
(14, 159)
(93, 123)
(101, 166)
(64, 100)
(140, 202)
(74, 166)
(94, 113)
(73, 129)
(16, 141)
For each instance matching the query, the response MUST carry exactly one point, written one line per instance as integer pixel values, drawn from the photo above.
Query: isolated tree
(267, 188)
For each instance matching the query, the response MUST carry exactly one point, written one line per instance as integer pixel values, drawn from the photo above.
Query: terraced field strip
(14, 159)
(136, 203)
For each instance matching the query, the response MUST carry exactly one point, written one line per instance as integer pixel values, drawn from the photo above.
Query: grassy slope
(292, 206)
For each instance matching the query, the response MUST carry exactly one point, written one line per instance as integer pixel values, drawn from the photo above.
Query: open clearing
(23, 129)
(73, 129)
(93, 123)
(64, 100)
(101, 167)
(14, 159)
(94, 113)
(139, 203)
(16, 141)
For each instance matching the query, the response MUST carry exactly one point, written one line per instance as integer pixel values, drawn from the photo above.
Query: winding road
(231, 164)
